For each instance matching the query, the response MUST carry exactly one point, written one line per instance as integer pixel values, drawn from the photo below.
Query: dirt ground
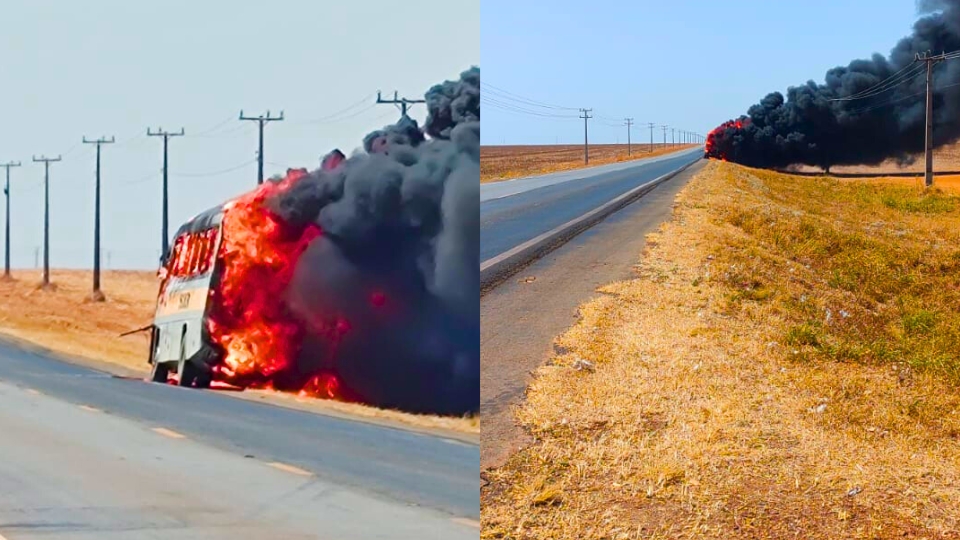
(785, 366)
(506, 162)
(65, 321)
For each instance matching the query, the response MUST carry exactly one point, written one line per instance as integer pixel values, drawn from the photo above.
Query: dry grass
(785, 366)
(506, 162)
(65, 321)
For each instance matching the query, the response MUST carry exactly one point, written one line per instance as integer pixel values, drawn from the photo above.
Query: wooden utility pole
(404, 103)
(261, 120)
(165, 241)
(46, 216)
(664, 135)
(651, 124)
(97, 295)
(585, 114)
(628, 122)
(6, 245)
(928, 131)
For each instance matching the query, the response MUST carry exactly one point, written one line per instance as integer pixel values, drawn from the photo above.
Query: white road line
(34, 392)
(89, 408)
(289, 468)
(168, 433)
(468, 522)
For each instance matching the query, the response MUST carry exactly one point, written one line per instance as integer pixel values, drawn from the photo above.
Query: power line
(217, 173)
(402, 101)
(261, 121)
(884, 85)
(6, 192)
(516, 97)
(97, 295)
(515, 108)
(929, 61)
(585, 114)
(217, 126)
(330, 116)
(46, 215)
(164, 243)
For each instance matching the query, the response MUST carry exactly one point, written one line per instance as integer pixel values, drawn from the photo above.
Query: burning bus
(193, 333)
(358, 281)
(180, 340)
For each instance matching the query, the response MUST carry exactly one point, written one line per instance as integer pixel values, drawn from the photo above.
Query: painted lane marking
(90, 409)
(34, 392)
(468, 522)
(168, 433)
(289, 468)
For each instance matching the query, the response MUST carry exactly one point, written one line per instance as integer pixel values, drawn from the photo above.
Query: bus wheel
(204, 380)
(159, 372)
(187, 372)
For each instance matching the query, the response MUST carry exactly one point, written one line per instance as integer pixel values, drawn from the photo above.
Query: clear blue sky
(691, 64)
(115, 67)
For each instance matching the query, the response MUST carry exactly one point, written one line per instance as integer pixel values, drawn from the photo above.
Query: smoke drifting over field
(397, 259)
(804, 127)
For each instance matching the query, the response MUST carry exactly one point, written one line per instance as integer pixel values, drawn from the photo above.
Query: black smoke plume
(805, 127)
(399, 257)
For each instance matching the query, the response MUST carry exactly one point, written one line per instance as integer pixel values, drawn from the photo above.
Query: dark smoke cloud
(399, 257)
(803, 127)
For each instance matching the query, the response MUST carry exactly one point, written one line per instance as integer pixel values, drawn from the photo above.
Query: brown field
(506, 162)
(66, 323)
(785, 365)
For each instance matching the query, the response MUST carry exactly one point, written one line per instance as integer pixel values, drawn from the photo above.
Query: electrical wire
(505, 94)
(331, 116)
(217, 173)
(515, 108)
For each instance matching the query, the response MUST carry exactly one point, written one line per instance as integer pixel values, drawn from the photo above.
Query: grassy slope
(786, 364)
(506, 162)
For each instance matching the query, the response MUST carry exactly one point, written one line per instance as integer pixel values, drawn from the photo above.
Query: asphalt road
(516, 211)
(521, 316)
(85, 455)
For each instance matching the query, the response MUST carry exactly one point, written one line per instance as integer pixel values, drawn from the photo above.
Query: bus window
(192, 255)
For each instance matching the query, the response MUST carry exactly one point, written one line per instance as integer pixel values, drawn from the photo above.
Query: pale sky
(115, 67)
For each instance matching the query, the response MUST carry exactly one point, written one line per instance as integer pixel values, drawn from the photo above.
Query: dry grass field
(66, 322)
(785, 365)
(506, 162)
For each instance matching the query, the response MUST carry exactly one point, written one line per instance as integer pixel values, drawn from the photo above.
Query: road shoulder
(521, 317)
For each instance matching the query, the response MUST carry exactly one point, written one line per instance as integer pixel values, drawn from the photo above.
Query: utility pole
(261, 120)
(673, 136)
(97, 295)
(664, 135)
(6, 249)
(928, 131)
(164, 243)
(628, 122)
(585, 114)
(402, 102)
(46, 216)
(651, 136)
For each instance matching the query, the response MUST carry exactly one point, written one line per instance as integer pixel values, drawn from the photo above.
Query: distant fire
(717, 146)
(259, 335)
